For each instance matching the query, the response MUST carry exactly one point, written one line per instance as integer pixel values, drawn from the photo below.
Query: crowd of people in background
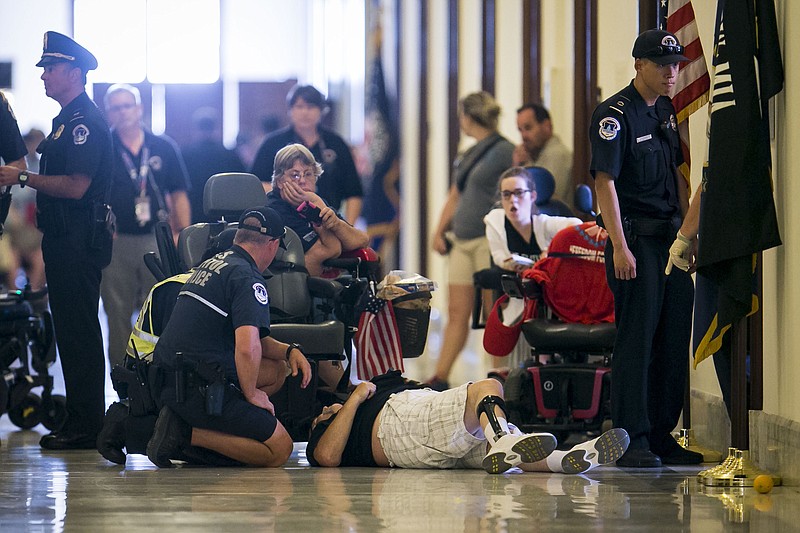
(91, 161)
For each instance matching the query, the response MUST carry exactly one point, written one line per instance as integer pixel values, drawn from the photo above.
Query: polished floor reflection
(80, 491)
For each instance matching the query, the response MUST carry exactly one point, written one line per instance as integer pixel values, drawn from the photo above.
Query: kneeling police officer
(218, 365)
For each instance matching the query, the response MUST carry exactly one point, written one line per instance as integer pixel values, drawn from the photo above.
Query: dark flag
(737, 217)
(382, 199)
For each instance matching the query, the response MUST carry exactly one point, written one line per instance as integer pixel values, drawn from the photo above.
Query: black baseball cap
(270, 222)
(659, 46)
(59, 48)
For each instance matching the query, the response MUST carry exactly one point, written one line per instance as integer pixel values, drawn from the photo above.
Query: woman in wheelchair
(518, 234)
(324, 234)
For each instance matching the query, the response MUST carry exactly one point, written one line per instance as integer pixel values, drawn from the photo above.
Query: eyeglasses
(517, 193)
(295, 175)
(120, 107)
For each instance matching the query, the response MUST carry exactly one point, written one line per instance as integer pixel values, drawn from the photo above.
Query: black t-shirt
(204, 159)
(164, 172)
(224, 293)
(517, 244)
(358, 450)
(292, 219)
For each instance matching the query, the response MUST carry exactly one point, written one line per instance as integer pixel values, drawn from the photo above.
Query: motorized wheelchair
(563, 384)
(27, 345)
(320, 313)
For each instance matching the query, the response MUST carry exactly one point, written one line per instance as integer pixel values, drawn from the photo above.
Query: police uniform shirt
(638, 145)
(80, 143)
(166, 169)
(224, 293)
(12, 146)
(339, 180)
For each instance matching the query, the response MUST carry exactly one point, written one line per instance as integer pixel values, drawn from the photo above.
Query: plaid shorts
(423, 428)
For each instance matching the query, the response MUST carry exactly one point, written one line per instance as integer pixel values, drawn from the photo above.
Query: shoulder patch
(156, 163)
(260, 292)
(79, 134)
(609, 127)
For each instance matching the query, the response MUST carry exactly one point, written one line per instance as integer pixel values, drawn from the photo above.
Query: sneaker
(511, 450)
(437, 384)
(605, 449)
(170, 436)
(111, 439)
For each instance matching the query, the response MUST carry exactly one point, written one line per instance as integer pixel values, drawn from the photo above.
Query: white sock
(554, 460)
(489, 431)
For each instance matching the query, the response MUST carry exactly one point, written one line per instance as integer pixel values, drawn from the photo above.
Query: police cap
(269, 221)
(59, 48)
(659, 46)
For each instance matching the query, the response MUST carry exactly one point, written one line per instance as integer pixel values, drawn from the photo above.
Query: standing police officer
(12, 153)
(635, 154)
(72, 214)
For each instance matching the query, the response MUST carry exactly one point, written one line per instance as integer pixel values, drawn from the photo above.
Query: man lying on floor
(391, 421)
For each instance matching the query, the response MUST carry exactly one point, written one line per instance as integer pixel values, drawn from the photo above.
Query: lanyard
(139, 177)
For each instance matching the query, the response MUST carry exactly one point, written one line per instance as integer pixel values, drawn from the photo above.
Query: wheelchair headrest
(226, 195)
(545, 183)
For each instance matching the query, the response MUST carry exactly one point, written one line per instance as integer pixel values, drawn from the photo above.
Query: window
(163, 41)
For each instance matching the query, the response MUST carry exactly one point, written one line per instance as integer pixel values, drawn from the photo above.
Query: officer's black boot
(111, 439)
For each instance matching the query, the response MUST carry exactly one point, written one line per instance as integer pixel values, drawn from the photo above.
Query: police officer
(71, 213)
(635, 154)
(340, 181)
(12, 153)
(218, 362)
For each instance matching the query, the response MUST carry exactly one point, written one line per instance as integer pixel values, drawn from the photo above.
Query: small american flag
(377, 340)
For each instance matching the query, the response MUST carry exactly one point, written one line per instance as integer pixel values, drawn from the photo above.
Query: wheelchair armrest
(350, 264)
(324, 288)
(517, 287)
(359, 262)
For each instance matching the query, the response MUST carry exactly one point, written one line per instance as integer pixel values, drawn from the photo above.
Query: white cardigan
(544, 229)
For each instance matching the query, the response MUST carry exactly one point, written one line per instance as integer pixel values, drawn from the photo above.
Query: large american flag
(378, 347)
(692, 87)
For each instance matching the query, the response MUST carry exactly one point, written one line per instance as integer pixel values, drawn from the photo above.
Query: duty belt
(651, 227)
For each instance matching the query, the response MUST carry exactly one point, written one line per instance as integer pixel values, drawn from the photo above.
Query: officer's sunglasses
(664, 49)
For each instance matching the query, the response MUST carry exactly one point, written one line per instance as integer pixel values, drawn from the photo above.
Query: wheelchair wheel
(27, 413)
(54, 412)
(518, 412)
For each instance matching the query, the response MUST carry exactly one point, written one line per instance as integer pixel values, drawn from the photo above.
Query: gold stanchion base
(739, 472)
(687, 440)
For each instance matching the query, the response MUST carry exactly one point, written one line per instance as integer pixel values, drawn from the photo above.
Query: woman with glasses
(517, 233)
(324, 234)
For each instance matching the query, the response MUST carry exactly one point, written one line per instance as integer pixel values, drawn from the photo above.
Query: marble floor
(80, 491)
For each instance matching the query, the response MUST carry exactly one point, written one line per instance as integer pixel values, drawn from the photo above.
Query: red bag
(499, 339)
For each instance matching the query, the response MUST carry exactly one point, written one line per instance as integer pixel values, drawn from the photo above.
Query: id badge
(142, 210)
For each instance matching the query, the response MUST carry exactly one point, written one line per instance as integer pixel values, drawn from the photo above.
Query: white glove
(680, 253)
